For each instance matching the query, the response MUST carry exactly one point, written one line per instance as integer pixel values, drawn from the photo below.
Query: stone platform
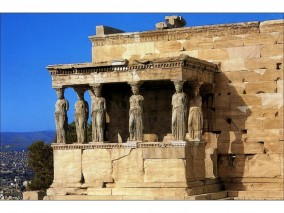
(172, 170)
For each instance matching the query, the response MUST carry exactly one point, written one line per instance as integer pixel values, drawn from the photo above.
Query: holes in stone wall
(229, 120)
(244, 131)
(276, 114)
(244, 92)
(249, 156)
(278, 66)
(228, 93)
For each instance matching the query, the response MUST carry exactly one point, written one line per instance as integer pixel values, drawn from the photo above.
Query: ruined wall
(247, 132)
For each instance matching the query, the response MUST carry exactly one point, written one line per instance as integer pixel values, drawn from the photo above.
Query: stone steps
(208, 196)
(257, 195)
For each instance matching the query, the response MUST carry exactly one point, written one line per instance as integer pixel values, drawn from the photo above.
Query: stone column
(179, 111)
(61, 119)
(98, 113)
(81, 116)
(195, 115)
(136, 113)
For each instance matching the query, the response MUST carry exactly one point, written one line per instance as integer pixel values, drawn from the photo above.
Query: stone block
(222, 89)
(98, 191)
(233, 65)
(272, 75)
(271, 26)
(208, 196)
(274, 147)
(263, 87)
(258, 195)
(149, 191)
(252, 76)
(164, 170)
(195, 190)
(222, 101)
(119, 153)
(142, 49)
(33, 195)
(253, 123)
(280, 39)
(267, 111)
(197, 43)
(198, 169)
(251, 100)
(275, 123)
(272, 50)
(212, 188)
(264, 165)
(240, 148)
(243, 52)
(261, 39)
(263, 62)
(227, 41)
(168, 46)
(191, 53)
(210, 162)
(280, 86)
(236, 89)
(67, 166)
(129, 168)
(243, 76)
(213, 54)
(237, 168)
(104, 30)
(84, 197)
(74, 191)
(96, 165)
(107, 52)
(198, 152)
(164, 153)
(272, 99)
(254, 186)
(222, 124)
(261, 135)
(137, 197)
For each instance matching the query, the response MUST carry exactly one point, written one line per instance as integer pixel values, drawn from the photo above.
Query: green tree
(40, 160)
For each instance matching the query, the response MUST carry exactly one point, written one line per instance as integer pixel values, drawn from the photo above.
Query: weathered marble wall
(248, 100)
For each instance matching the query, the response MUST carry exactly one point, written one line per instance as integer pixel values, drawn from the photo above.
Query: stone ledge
(176, 33)
(131, 145)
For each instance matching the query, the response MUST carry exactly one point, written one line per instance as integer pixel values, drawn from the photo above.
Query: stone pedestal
(130, 171)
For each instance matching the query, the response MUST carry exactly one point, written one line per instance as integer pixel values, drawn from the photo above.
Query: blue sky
(30, 42)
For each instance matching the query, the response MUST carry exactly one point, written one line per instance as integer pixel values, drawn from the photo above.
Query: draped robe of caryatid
(179, 115)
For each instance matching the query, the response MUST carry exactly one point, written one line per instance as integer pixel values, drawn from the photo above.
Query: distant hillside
(17, 141)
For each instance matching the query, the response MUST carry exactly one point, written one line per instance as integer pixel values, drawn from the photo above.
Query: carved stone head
(135, 87)
(196, 89)
(178, 86)
(97, 90)
(60, 93)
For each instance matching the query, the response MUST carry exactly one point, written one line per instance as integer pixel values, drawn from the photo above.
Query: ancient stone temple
(177, 113)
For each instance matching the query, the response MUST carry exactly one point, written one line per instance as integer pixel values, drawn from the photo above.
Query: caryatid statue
(179, 112)
(195, 117)
(81, 116)
(136, 113)
(98, 114)
(61, 119)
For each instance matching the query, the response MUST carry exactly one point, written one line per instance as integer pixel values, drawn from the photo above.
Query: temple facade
(177, 113)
